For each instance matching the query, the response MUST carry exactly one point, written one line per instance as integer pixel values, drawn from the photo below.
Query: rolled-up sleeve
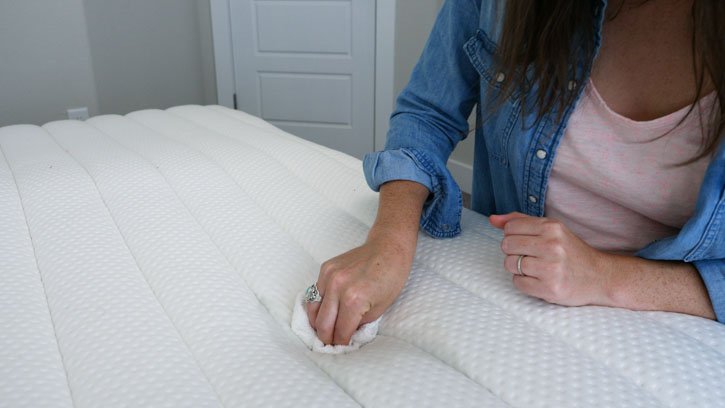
(398, 164)
(713, 275)
(431, 117)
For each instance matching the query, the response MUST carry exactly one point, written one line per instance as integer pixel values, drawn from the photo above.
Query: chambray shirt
(514, 152)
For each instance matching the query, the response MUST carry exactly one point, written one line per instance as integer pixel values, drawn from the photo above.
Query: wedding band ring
(518, 265)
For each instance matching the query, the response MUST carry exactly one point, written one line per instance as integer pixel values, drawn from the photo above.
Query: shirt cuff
(442, 211)
(388, 165)
(713, 275)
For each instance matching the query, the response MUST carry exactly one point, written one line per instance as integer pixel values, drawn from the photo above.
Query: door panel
(307, 66)
(319, 28)
(310, 98)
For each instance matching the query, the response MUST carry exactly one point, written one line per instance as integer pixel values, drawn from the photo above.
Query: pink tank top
(613, 184)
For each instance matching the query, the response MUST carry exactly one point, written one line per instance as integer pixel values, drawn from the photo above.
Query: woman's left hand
(557, 266)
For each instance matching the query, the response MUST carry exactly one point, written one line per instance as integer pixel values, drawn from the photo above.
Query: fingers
(499, 220)
(523, 245)
(516, 223)
(355, 290)
(556, 264)
(336, 319)
(529, 265)
(326, 318)
(323, 315)
(525, 226)
(312, 309)
(530, 286)
(531, 247)
(352, 308)
(544, 289)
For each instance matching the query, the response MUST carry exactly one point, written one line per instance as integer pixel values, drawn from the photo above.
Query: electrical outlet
(78, 113)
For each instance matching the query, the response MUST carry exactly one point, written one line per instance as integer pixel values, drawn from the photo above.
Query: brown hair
(542, 42)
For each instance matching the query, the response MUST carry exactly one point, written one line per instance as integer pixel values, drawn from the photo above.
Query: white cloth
(301, 327)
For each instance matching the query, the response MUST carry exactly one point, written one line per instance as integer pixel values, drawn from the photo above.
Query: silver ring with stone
(312, 294)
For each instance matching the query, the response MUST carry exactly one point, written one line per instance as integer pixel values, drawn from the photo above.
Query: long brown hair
(543, 41)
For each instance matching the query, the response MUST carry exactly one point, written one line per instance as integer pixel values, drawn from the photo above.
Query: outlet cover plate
(78, 113)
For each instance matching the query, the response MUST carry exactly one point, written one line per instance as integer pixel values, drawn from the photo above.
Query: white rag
(301, 327)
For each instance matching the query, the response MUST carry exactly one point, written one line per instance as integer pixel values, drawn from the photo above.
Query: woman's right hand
(359, 285)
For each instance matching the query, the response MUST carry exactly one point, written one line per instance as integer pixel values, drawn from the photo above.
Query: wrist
(609, 267)
(622, 274)
(393, 238)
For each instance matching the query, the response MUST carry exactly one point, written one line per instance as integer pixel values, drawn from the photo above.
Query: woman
(599, 149)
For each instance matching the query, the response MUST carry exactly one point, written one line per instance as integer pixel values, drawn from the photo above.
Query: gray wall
(414, 20)
(206, 45)
(45, 61)
(146, 54)
(111, 56)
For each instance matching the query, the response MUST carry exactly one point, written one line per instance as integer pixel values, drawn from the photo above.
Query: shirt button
(571, 85)
(541, 154)
(500, 77)
(533, 199)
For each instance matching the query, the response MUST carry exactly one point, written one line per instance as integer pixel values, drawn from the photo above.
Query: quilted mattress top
(153, 259)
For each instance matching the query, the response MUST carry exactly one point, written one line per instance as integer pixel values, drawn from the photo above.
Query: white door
(308, 67)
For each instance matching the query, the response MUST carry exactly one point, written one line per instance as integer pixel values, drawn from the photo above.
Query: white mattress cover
(153, 259)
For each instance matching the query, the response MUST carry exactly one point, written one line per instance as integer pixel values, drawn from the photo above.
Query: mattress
(153, 260)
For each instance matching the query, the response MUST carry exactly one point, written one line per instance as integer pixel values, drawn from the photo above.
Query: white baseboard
(462, 173)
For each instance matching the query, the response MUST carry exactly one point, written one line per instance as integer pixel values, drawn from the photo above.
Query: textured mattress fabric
(153, 259)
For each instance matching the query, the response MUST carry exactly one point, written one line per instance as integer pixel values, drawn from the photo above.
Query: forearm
(641, 284)
(399, 212)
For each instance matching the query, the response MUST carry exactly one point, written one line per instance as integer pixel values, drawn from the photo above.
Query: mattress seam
(40, 276)
(318, 148)
(275, 159)
(683, 333)
(138, 266)
(446, 364)
(211, 239)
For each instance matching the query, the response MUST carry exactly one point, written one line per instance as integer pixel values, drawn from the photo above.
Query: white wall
(111, 56)
(206, 46)
(45, 62)
(146, 54)
(414, 20)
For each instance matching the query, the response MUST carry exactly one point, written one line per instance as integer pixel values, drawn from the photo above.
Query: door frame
(384, 99)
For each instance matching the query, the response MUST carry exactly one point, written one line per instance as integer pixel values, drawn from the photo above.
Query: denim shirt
(514, 152)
